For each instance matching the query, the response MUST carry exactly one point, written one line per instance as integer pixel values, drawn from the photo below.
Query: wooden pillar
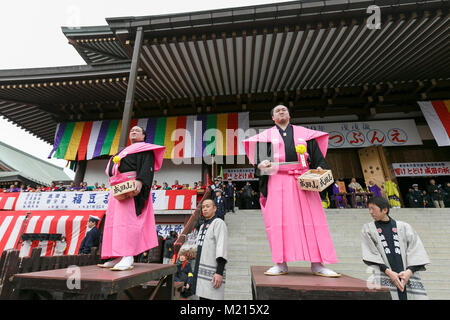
(131, 89)
(81, 171)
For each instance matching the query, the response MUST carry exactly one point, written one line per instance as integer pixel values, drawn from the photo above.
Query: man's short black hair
(214, 203)
(380, 202)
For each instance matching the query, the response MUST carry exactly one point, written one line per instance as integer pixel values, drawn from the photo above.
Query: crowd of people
(432, 196)
(354, 195)
(177, 186)
(83, 186)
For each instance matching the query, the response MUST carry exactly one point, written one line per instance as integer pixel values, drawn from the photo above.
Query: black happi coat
(143, 163)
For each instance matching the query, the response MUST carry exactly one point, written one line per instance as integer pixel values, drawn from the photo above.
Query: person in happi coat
(395, 253)
(212, 243)
(92, 238)
(392, 192)
(294, 219)
(130, 223)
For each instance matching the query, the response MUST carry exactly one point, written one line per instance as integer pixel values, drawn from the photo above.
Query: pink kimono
(295, 221)
(126, 234)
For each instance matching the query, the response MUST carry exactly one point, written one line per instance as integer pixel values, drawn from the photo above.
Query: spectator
(60, 247)
(155, 185)
(177, 186)
(447, 195)
(13, 188)
(83, 186)
(89, 188)
(338, 199)
(220, 182)
(436, 194)
(247, 195)
(196, 186)
(184, 274)
(409, 198)
(51, 188)
(239, 199)
(168, 249)
(220, 204)
(143, 257)
(427, 202)
(213, 187)
(104, 188)
(92, 238)
(391, 189)
(22, 188)
(416, 197)
(355, 187)
(255, 200)
(201, 185)
(230, 188)
(395, 252)
(325, 199)
(30, 189)
(166, 186)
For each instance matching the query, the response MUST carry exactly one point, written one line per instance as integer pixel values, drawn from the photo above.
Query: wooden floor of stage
(300, 284)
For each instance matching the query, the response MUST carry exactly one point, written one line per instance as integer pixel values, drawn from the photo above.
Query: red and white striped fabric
(71, 224)
(437, 114)
(8, 200)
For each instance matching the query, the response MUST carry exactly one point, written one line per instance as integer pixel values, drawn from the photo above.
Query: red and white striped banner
(8, 200)
(437, 114)
(71, 224)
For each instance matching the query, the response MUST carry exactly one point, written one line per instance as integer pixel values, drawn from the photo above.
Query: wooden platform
(301, 284)
(94, 282)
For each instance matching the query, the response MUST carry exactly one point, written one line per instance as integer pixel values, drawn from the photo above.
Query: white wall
(169, 172)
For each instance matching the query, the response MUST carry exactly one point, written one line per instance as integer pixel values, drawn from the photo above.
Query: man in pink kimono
(295, 221)
(130, 223)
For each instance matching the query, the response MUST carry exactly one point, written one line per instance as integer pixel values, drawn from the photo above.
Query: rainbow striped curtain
(183, 136)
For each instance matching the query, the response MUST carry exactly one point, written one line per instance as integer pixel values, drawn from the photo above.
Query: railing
(190, 225)
(11, 264)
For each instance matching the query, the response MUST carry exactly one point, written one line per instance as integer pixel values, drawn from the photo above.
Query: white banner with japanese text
(98, 200)
(365, 134)
(241, 174)
(419, 169)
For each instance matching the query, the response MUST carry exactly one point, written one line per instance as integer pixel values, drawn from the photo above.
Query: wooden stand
(94, 282)
(301, 284)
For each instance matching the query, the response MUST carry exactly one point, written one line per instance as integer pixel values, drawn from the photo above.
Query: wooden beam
(129, 99)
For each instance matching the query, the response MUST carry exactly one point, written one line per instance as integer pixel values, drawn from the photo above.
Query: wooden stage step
(301, 284)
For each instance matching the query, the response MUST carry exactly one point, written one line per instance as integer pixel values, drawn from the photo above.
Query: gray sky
(31, 37)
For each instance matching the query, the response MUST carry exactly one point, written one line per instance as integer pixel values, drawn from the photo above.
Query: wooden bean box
(315, 180)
